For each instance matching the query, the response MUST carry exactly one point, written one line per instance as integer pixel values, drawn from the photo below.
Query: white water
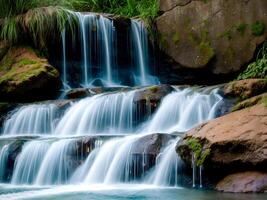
(184, 109)
(55, 163)
(56, 168)
(3, 161)
(140, 46)
(112, 113)
(28, 162)
(166, 170)
(32, 119)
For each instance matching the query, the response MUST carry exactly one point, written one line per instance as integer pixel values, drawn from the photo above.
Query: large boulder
(244, 182)
(220, 36)
(26, 76)
(233, 142)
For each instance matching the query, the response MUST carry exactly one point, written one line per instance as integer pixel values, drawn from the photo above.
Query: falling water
(106, 30)
(32, 119)
(183, 109)
(56, 167)
(166, 171)
(3, 161)
(28, 162)
(140, 45)
(112, 113)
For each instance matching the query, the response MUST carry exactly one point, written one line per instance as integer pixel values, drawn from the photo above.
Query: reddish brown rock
(236, 140)
(245, 88)
(244, 182)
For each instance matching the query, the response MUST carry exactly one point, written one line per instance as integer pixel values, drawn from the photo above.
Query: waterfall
(97, 63)
(3, 161)
(140, 45)
(166, 171)
(31, 119)
(28, 162)
(111, 113)
(57, 166)
(184, 109)
(106, 30)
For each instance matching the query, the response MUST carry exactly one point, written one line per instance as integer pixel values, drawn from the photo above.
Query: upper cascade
(117, 113)
(97, 63)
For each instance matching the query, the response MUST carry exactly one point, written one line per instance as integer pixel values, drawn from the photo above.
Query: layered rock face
(220, 36)
(233, 143)
(26, 76)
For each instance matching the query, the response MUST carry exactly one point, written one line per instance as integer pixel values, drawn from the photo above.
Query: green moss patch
(258, 28)
(197, 148)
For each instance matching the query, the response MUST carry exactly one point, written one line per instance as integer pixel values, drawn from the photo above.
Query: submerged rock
(27, 77)
(220, 36)
(244, 182)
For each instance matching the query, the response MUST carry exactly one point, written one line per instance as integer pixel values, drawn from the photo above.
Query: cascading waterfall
(54, 161)
(98, 64)
(112, 113)
(56, 168)
(32, 119)
(183, 109)
(29, 161)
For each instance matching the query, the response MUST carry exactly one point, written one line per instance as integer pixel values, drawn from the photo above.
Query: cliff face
(220, 36)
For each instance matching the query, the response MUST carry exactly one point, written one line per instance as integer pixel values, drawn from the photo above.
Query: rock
(232, 142)
(250, 102)
(166, 5)
(151, 144)
(244, 182)
(218, 35)
(25, 76)
(244, 89)
(5, 108)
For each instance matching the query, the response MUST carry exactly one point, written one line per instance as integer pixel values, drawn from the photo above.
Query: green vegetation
(200, 153)
(241, 28)
(257, 28)
(257, 69)
(43, 18)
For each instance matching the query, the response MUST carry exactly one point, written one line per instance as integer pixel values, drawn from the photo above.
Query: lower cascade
(103, 139)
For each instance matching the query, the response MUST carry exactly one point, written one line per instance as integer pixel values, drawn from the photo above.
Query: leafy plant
(257, 69)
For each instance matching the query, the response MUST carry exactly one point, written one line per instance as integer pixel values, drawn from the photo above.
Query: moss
(207, 52)
(26, 61)
(226, 34)
(250, 102)
(241, 28)
(258, 28)
(200, 153)
(176, 38)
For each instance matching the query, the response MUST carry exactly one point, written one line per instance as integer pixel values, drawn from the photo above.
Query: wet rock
(244, 89)
(26, 77)
(244, 182)
(216, 36)
(233, 142)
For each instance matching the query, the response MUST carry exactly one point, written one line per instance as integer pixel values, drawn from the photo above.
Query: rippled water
(119, 192)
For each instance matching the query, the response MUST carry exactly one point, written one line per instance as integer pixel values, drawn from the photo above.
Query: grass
(41, 18)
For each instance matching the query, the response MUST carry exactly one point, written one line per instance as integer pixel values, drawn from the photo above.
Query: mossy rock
(27, 77)
(250, 102)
